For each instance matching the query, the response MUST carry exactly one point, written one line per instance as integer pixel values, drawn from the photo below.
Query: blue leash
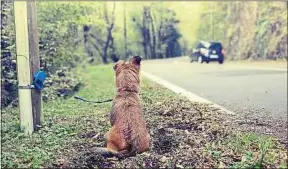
(82, 99)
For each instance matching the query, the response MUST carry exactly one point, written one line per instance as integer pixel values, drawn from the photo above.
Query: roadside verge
(184, 134)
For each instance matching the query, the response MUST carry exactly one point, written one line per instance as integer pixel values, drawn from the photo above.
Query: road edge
(189, 95)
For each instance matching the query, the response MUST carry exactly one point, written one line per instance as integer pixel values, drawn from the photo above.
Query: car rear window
(216, 46)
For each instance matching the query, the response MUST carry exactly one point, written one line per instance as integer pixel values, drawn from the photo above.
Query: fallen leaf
(179, 166)
(222, 165)
(96, 136)
(163, 159)
(187, 132)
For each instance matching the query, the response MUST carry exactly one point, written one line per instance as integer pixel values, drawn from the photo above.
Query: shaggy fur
(128, 135)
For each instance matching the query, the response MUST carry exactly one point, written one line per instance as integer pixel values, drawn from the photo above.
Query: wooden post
(28, 64)
(23, 65)
(1, 75)
(35, 60)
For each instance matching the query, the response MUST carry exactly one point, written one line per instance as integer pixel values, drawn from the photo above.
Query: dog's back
(128, 134)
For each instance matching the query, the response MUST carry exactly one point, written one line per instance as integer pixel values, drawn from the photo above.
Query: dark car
(207, 52)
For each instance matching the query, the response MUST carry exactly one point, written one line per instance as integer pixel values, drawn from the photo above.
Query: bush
(59, 52)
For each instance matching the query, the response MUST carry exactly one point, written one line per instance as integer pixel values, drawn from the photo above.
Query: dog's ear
(115, 66)
(136, 60)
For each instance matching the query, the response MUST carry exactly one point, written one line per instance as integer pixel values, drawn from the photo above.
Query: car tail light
(222, 51)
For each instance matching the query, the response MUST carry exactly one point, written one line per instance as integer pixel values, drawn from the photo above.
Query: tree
(157, 26)
(125, 32)
(253, 30)
(109, 37)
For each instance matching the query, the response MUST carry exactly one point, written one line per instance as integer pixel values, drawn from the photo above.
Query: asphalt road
(241, 88)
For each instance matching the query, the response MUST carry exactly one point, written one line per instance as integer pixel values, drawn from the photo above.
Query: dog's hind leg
(115, 140)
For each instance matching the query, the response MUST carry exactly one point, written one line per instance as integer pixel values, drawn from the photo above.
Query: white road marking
(189, 95)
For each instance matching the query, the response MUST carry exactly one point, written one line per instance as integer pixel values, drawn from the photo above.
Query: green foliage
(61, 84)
(254, 30)
(249, 150)
(60, 32)
(256, 151)
(8, 58)
(60, 43)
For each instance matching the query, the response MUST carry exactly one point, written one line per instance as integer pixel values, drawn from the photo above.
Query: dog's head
(127, 74)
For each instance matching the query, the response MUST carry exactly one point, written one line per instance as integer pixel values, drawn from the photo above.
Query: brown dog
(128, 135)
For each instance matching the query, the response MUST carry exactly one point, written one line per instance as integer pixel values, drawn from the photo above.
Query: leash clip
(26, 86)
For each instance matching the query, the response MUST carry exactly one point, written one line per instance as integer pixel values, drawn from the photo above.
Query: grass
(180, 136)
(250, 150)
(62, 121)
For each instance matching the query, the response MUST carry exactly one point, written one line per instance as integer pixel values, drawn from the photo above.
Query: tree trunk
(153, 46)
(143, 30)
(125, 33)
(109, 37)
(160, 38)
(85, 40)
(147, 32)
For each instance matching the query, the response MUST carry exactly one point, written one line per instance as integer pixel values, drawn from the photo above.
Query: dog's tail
(110, 153)
(104, 151)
